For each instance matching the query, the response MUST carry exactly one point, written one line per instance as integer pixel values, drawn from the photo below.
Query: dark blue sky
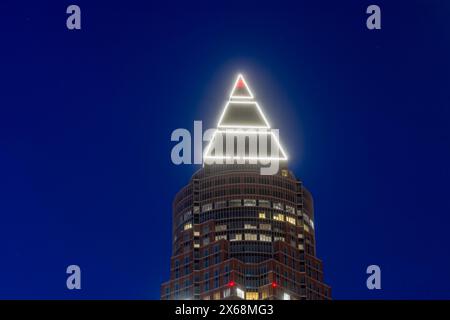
(86, 118)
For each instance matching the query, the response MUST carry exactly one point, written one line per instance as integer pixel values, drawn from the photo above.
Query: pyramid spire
(241, 89)
(242, 117)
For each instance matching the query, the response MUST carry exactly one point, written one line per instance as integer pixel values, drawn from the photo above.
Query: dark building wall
(240, 234)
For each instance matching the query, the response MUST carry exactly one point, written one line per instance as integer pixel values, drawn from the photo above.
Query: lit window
(251, 296)
(196, 209)
(265, 226)
(262, 215)
(235, 203)
(300, 247)
(306, 228)
(290, 220)
(240, 293)
(249, 226)
(264, 294)
(236, 237)
(290, 209)
(311, 223)
(250, 236)
(264, 203)
(278, 239)
(196, 234)
(305, 216)
(278, 205)
(223, 236)
(278, 217)
(188, 226)
(264, 237)
(221, 227)
(226, 292)
(249, 202)
(284, 173)
(206, 298)
(196, 245)
(286, 296)
(217, 296)
(300, 235)
(207, 207)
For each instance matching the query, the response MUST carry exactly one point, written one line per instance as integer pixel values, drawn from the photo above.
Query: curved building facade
(238, 234)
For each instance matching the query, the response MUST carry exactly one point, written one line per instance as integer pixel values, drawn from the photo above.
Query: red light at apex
(274, 284)
(240, 84)
(231, 283)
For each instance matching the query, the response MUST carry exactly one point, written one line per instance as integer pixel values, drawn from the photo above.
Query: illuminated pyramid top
(244, 124)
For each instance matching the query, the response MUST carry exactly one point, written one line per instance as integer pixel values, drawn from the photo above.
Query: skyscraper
(238, 231)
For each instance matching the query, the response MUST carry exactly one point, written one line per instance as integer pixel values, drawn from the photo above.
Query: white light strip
(238, 125)
(232, 96)
(243, 158)
(209, 144)
(279, 145)
(243, 132)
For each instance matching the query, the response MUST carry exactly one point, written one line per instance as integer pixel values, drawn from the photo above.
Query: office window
(265, 226)
(240, 293)
(249, 226)
(250, 236)
(226, 293)
(249, 202)
(251, 296)
(223, 236)
(221, 227)
(284, 172)
(306, 228)
(290, 220)
(235, 203)
(187, 215)
(264, 294)
(216, 295)
(278, 205)
(236, 237)
(262, 215)
(263, 237)
(187, 226)
(221, 204)
(278, 216)
(207, 207)
(264, 203)
(290, 209)
(301, 247)
(278, 239)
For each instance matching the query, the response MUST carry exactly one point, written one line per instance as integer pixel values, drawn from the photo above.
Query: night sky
(86, 117)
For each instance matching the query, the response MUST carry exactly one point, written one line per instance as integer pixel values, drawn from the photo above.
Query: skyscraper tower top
(243, 133)
(240, 234)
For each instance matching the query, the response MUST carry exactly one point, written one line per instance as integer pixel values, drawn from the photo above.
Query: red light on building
(240, 84)
(274, 284)
(231, 283)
